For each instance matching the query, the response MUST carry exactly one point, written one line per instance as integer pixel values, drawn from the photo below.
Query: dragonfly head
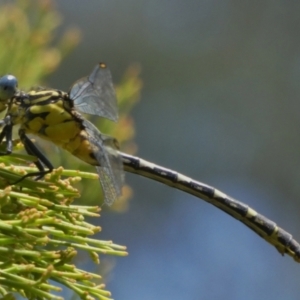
(8, 88)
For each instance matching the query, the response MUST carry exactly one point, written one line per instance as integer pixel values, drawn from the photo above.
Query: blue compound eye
(8, 87)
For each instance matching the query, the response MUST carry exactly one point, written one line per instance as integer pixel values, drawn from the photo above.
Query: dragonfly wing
(95, 94)
(110, 167)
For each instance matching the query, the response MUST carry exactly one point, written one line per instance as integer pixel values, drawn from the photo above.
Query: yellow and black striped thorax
(50, 115)
(42, 101)
(46, 113)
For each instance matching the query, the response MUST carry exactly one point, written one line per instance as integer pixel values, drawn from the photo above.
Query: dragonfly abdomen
(81, 147)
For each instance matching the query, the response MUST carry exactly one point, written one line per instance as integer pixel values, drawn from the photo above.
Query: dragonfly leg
(7, 134)
(41, 159)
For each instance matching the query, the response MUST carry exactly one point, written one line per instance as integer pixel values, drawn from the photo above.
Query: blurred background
(219, 103)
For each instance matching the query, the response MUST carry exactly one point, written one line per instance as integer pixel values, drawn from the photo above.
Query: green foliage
(41, 232)
(29, 47)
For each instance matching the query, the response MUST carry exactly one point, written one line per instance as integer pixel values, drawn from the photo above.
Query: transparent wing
(95, 94)
(110, 167)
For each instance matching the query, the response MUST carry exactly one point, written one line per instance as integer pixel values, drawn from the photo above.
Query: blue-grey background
(220, 103)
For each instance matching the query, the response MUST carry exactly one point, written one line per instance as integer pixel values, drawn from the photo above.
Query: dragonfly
(55, 116)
